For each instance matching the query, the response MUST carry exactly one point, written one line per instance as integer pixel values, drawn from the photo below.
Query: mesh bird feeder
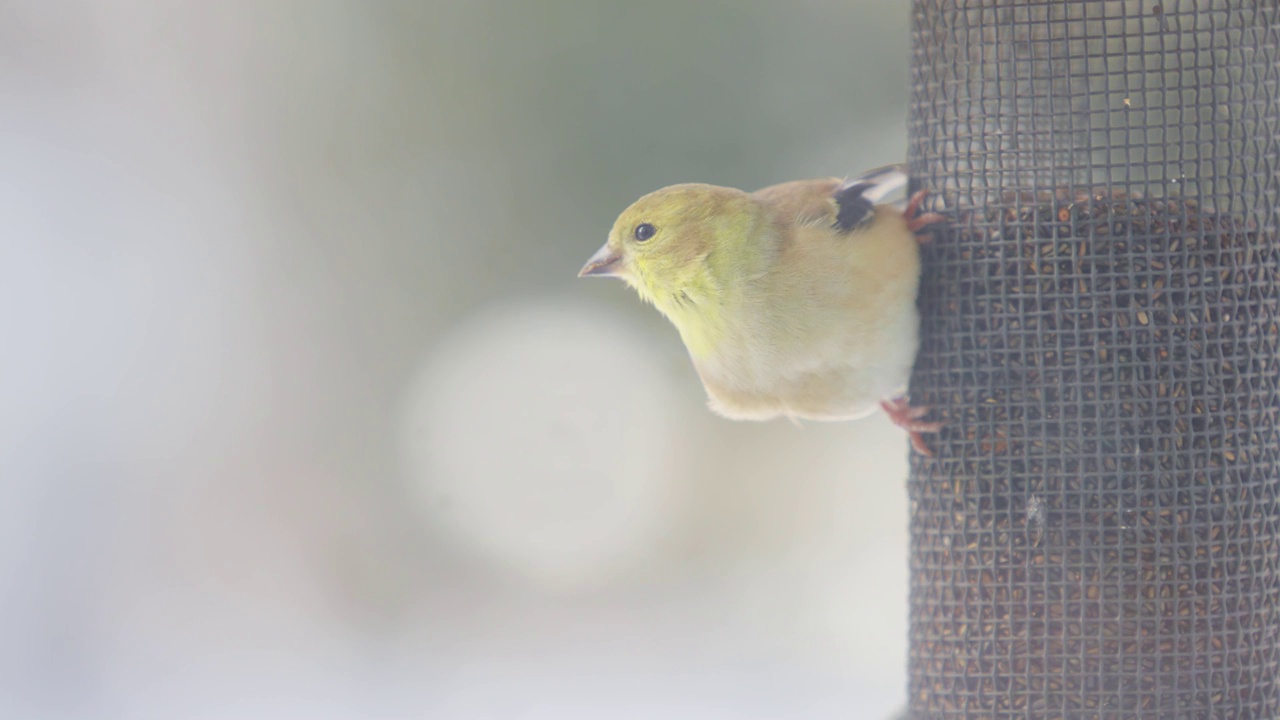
(1098, 534)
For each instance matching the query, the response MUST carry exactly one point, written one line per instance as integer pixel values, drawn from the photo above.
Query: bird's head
(687, 249)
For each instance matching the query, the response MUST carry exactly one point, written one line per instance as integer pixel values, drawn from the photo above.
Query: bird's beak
(607, 262)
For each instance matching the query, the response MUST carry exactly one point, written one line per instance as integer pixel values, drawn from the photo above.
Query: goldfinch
(797, 300)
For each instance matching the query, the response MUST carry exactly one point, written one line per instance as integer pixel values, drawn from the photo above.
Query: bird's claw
(907, 417)
(917, 220)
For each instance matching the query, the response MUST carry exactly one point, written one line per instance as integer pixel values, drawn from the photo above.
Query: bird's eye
(644, 231)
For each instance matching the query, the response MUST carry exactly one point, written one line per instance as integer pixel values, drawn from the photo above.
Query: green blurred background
(306, 414)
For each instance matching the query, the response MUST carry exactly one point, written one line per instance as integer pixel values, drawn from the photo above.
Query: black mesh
(1097, 534)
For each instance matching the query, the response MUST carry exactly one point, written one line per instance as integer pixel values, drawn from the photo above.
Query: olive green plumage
(796, 300)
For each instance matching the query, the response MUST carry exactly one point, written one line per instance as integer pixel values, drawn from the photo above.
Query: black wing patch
(853, 209)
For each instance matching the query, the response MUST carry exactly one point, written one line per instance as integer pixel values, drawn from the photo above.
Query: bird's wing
(882, 181)
(840, 204)
(855, 198)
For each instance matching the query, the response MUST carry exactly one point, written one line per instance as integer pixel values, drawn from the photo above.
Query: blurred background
(305, 414)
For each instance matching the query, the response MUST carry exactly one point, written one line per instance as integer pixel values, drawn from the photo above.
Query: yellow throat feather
(708, 243)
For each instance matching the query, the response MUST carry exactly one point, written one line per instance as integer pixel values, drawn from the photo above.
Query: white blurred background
(305, 414)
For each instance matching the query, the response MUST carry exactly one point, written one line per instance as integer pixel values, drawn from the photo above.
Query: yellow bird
(797, 300)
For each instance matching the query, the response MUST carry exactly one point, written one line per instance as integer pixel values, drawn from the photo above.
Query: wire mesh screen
(1097, 535)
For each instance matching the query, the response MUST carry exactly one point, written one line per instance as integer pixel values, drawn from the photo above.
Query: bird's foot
(907, 417)
(917, 220)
